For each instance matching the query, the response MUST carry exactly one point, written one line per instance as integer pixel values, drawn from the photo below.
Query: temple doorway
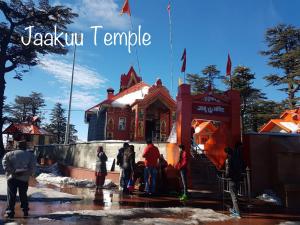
(157, 121)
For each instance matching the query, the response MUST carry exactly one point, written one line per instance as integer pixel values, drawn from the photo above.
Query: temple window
(122, 123)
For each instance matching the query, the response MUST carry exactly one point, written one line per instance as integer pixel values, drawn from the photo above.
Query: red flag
(183, 58)
(169, 8)
(228, 67)
(126, 8)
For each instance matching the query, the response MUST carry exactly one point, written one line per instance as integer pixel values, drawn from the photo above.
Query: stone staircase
(203, 172)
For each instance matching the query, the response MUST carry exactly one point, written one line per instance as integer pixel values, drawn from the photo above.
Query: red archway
(224, 108)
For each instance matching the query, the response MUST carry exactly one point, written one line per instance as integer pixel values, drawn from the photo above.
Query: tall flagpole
(136, 51)
(67, 134)
(171, 46)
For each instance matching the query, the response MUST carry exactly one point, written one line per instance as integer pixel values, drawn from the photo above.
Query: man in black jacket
(234, 166)
(120, 160)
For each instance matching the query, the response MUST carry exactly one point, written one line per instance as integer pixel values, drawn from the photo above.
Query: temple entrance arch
(224, 108)
(157, 121)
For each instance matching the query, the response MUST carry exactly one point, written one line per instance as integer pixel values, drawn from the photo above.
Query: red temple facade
(139, 111)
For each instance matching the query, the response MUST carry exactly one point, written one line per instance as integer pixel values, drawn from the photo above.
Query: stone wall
(84, 154)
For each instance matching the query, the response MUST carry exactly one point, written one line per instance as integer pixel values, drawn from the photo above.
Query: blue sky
(209, 30)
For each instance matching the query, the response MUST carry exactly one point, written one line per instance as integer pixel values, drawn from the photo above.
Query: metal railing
(244, 189)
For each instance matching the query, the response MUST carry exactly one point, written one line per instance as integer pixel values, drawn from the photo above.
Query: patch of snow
(270, 196)
(130, 98)
(54, 179)
(159, 216)
(290, 223)
(59, 180)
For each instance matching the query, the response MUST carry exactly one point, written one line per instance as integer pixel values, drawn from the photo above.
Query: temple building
(289, 122)
(138, 112)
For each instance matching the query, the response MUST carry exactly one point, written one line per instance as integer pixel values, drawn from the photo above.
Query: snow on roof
(130, 98)
(291, 126)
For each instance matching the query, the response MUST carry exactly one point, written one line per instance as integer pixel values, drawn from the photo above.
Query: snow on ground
(158, 216)
(270, 196)
(290, 223)
(59, 180)
(39, 194)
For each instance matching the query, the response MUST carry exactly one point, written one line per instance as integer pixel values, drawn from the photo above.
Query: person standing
(182, 165)
(18, 165)
(101, 171)
(128, 167)
(120, 160)
(151, 155)
(233, 170)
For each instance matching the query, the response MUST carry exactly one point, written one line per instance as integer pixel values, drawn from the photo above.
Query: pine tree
(242, 81)
(284, 53)
(14, 56)
(198, 84)
(211, 72)
(25, 107)
(58, 123)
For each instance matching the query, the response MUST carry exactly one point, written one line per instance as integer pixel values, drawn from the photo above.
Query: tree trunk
(2, 88)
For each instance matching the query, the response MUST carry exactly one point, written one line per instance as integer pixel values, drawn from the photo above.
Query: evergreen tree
(26, 107)
(284, 53)
(242, 81)
(211, 72)
(58, 123)
(198, 84)
(260, 112)
(14, 55)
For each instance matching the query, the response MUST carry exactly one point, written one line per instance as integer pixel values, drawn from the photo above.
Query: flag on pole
(183, 59)
(126, 8)
(228, 67)
(169, 7)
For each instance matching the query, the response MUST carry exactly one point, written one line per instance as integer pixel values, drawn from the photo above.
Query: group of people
(20, 164)
(154, 165)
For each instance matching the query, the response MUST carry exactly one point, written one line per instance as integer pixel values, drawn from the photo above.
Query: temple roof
(25, 128)
(126, 97)
(289, 122)
(129, 79)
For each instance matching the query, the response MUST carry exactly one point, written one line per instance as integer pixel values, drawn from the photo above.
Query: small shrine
(288, 122)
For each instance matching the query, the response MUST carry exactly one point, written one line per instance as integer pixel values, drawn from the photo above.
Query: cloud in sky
(81, 100)
(84, 77)
(98, 12)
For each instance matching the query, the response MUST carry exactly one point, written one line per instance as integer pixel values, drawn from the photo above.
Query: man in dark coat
(120, 160)
(128, 166)
(234, 167)
(18, 165)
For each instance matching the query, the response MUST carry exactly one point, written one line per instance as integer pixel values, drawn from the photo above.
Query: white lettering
(95, 33)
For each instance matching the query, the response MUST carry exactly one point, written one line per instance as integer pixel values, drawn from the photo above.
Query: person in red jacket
(182, 166)
(151, 155)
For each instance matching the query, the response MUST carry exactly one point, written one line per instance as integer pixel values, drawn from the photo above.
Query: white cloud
(98, 12)
(105, 12)
(81, 100)
(84, 77)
